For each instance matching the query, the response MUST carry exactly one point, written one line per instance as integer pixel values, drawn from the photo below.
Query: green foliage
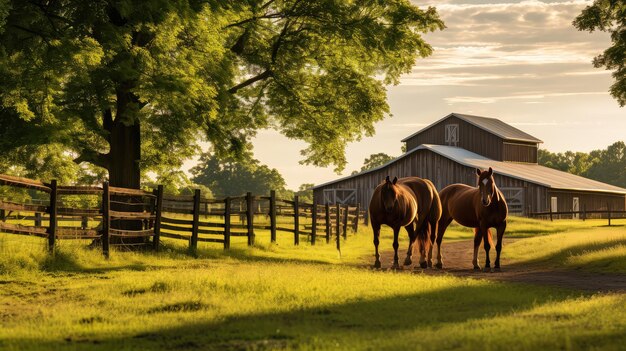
(232, 176)
(375, 160)
(305, 192)
(84, 74)
(609, 16)
(606, 165)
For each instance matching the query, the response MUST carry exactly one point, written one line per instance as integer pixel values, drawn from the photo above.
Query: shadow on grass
(442, 319)
(558, 259)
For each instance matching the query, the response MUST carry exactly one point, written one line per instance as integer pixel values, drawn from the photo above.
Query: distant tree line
(605, 165)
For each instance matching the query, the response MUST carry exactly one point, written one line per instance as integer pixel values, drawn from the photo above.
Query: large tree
(609, 16)
(131, 86)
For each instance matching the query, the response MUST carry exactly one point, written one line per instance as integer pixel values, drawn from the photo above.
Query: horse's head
(486, 185)
(389, 194)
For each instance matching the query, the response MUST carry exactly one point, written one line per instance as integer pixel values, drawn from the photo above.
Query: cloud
(493, 99)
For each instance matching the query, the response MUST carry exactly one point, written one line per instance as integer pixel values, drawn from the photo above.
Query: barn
(449, 151)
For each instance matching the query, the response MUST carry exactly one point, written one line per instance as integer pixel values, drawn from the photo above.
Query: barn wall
(471, 138)
(587, 200)
(519, 152)
(442, 171)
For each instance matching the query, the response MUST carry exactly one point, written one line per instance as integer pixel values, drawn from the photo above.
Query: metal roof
(491, 125)
(530, 172)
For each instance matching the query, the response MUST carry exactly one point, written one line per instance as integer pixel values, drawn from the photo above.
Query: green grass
(277, 296)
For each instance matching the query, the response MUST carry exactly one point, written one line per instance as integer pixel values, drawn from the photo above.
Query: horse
(481, 208)
(412, 203)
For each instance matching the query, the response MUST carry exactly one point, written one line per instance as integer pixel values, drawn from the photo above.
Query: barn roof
(491, 125)
(532, 173)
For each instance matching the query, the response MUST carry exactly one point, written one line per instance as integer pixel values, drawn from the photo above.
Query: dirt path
(457, 259)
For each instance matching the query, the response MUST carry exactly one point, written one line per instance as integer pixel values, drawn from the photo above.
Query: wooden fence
(583, 214)
(152, 214)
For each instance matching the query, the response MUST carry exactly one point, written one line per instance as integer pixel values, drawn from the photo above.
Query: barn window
(340, 196)
(554, 204)
(452, 134)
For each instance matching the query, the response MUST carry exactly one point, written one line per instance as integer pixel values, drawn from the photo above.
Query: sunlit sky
(520, 61)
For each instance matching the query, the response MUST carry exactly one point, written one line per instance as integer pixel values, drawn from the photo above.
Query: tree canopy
(232, 176)
(609, 16)
(132, 86)
(605, 165)
(373, 161)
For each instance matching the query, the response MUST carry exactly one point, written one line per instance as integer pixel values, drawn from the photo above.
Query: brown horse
(412, 203)
(481, 208)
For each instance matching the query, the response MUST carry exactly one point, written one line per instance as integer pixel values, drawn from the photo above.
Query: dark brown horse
(481, 208)
(412, 203)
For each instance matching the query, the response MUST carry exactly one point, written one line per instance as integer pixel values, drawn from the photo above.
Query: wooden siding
(587, 200)
(471, 138)
(443, 171)
(519, 152)
(477, 140)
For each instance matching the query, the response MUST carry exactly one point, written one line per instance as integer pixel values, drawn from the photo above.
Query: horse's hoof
(477, 268)
(439, 265)
(407, 262)
(497, 269)
(487, 270)
(423, 264)
(396, 267)
(430, 264)
(377, 265)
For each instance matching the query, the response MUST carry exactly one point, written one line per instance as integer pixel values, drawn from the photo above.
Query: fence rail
(133, 216)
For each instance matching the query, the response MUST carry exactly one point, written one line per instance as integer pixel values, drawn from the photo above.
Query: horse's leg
(422, 237)
(412, 236)
(376, 228)
(500, 230)
(442, 226)
(396, 231)
(488, 240)
(478, 235)
(432, 231)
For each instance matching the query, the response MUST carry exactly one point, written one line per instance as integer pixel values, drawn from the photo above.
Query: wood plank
(175, 228)
(208, 231)
(22, 229)
(131, 215)
(211, 240)
(126, 191)
(78, 233)
(178, 198)
(211, 224)
(174, 236)
(177, 210)
(176, 221)
(78, 190)
(131, 233)
(290, 230)
(15, 206)
(89, 212)
(23, 183)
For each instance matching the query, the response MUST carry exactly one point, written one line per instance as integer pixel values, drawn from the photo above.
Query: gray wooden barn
(449, 151)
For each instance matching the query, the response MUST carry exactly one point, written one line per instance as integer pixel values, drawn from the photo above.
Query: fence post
(157, 219)
(345, 221)
(356, 219)
(584, 212)
(313, 222)
(52, 228)
(37, 219)
(550, 210)
(227, 223)
(106, 218)
(273, 215)
(3, 215)
(608, 207)
(193, 243)
(337, 227)
(250, 218)
(296, 220)
(327, 220)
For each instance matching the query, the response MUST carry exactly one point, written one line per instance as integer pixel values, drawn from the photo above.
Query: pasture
(280, 296)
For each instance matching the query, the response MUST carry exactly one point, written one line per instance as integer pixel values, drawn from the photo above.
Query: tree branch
(94, 157)
(266, 74)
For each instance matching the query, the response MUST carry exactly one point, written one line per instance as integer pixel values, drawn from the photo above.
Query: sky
(520, 61)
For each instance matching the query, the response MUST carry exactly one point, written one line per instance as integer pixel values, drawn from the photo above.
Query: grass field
(277, 296)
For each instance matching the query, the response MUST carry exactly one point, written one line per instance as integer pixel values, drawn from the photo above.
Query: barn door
(514, 200)
(452, 134)
(329, 196)
(575, 208)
